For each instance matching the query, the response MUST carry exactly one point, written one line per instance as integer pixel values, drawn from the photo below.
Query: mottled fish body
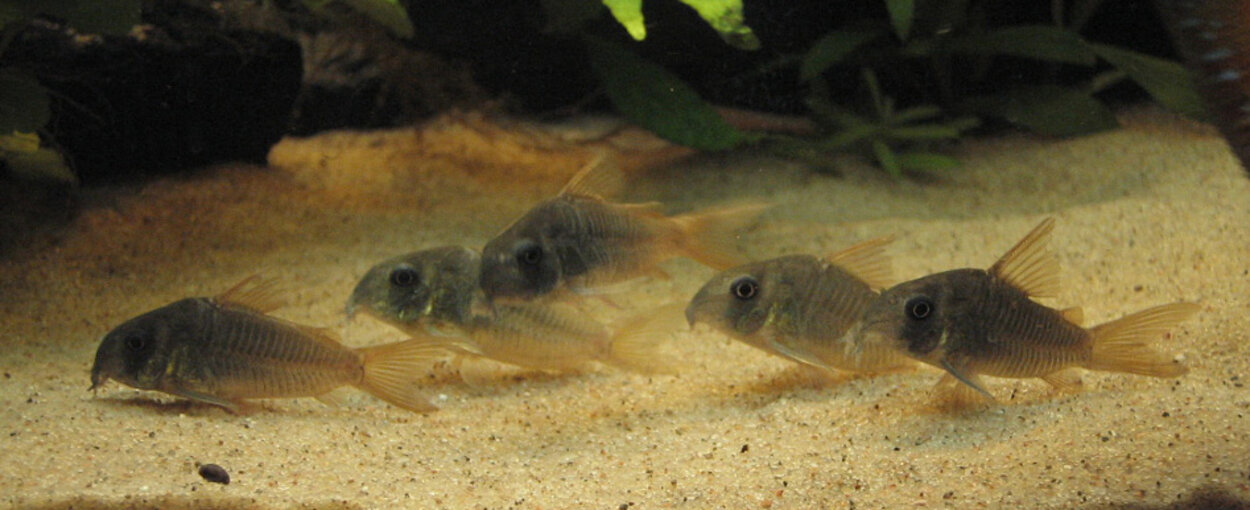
(226, 350)
(801, 306)
(579, 241)
(973, 322)
(435, 291)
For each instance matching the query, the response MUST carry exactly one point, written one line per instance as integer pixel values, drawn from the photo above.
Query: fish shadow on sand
(160, 404)
(170, 502)
(1203, 498)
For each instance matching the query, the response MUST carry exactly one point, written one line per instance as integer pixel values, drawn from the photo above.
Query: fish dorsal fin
(1074, 315)
(600, 178)
(867, 261)
(1029, 265)
(257, 293)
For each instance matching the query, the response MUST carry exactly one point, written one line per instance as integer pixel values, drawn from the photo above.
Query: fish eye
(405, 277)
(745, 288)
(529, 254)
(918, 308)
(135, 342)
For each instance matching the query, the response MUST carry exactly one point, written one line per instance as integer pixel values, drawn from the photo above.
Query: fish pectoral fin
(234, 406)
(954, 395)
(972, 380)
(868, 261)
(797, 354)
(255, 292)
(1029, 265)
(1067, 380)
(334, 398)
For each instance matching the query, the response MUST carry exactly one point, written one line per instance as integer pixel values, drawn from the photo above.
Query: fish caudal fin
(1122, 345)
(709, 237)
(393, 370)
(638, 341)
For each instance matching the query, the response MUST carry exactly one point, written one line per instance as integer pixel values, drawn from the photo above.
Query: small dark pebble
(215, 474)
(1166, 414)
(744, 449)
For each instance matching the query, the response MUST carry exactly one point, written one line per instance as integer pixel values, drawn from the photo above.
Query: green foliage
(655, 99)
(1037, 42)
(387, 13)
(902, 15)
(896, 139)
(24, 157)
(724, 16)
(1167, 82)
(941, 52)
(23, 102)
(1047, 109)
(109, 17)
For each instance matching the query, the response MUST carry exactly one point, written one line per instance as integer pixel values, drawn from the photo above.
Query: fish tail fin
(638, 341)
(1122, 345)
(710, 236)
(392, 371)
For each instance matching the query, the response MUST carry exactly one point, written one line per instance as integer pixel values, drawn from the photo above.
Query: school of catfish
(522, 301)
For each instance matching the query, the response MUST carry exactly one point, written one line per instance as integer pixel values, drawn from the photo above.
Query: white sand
(1156, 212)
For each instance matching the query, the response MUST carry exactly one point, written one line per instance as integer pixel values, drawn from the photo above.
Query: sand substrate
(1152, 213)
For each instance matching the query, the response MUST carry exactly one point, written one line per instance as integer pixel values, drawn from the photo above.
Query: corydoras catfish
(435, 292)
(226, 349)
(582, 242)
(973, 322)
(801, 306)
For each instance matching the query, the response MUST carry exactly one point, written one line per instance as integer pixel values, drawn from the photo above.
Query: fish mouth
(692, 310)
(98, 378)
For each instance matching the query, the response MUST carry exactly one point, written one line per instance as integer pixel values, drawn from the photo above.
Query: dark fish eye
(529, 254)
(135, 342)
(745, 288)
(918, 308)
(405, 277)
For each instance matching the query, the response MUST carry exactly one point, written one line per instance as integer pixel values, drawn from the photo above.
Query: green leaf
(833, 49)
(849, 136)
(653, 98)
(23, 102)
(902, 14)
(1167, 82)
(629, 14)
(885, 157)
(567, 16)
(725, 16)
(110, 17)
(23, 156)
(1047, 109)
(926, 161)
(388, 13)
(1039, 42)
(923, 132)
(914, 114)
